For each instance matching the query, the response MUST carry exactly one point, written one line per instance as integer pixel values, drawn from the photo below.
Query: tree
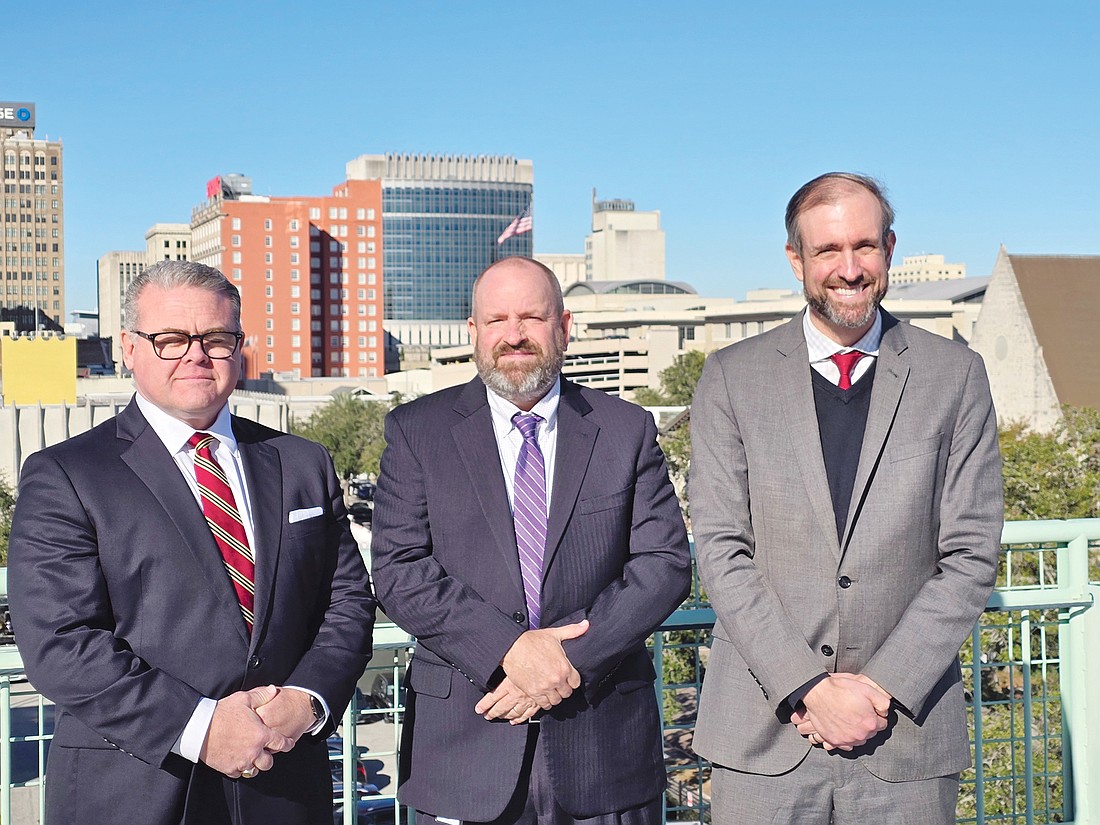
(677, 382)
(1055, 474)
(351, 429)
(7, 509)
(677, 389)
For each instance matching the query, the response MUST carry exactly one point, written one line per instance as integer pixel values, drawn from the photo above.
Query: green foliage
(677, 382)
(7, 509)
(1053, 475)
(677, 388)
(680, 668)
(351, 429)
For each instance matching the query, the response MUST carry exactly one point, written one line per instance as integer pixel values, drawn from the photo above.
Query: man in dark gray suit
(186, 588)
(846, 503)
(525, 531)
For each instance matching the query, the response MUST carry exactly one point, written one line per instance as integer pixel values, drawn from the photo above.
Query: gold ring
(249, 773)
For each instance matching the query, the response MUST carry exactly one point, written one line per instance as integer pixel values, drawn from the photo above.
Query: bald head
(506, 269)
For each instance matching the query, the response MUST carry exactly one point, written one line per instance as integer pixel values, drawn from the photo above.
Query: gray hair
(173, 274)
(828, 188)
(551, 278)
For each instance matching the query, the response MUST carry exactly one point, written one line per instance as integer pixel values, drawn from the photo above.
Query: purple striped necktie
(529, 512)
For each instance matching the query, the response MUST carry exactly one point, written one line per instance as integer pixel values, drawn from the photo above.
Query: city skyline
(982, 125)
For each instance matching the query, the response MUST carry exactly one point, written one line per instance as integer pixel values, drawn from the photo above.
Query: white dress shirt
(820, 348)
(510, 439)
(175, 434)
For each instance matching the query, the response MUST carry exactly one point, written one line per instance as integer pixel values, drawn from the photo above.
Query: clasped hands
(842, 712)
(249, 727)
(538, 675)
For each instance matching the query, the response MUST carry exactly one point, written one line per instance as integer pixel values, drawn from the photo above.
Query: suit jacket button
(518, 617)
(844, 582)
(827, 650)
(254, 661)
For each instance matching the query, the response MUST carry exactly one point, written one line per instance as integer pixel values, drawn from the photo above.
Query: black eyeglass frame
(152, 339)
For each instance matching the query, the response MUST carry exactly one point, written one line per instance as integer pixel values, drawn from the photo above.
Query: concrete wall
(27, 429)
(1003, 336)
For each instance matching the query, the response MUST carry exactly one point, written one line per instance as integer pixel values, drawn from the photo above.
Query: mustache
(529, 347)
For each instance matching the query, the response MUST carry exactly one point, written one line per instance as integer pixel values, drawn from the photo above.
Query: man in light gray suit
(846, 503)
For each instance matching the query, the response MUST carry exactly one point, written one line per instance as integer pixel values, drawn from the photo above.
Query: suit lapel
(797, 400)
(891, 374)
(476, 445)
(156, 468)
(264, 474)
(576, 439)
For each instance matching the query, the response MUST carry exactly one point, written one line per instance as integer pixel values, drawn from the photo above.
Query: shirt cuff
(189, 744)
(321, 722)
(797, 696)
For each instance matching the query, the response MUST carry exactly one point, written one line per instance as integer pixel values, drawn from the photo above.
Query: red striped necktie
(220, 509)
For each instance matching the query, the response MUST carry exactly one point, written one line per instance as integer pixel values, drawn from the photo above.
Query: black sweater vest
(841, 420)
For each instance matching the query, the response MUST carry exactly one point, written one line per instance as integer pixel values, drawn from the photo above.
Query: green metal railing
(1031, 669)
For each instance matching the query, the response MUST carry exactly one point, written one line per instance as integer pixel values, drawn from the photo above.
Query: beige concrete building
(624, 244)
(32, 224)
(1038, 334)
(168, 242)
(114, 272)
(615, 365)
(568, 268)
(915, 269)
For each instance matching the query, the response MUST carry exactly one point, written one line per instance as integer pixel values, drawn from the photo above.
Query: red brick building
(309, 270)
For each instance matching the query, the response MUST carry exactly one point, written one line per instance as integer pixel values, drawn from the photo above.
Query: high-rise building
(625, 244)
(32, 226)
(915, 269)
(114, 271)
(441, 217)
(309, 270)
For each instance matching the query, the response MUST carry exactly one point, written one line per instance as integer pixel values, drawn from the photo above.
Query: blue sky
(983, 119)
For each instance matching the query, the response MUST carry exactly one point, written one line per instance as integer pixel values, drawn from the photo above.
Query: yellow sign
(38, 369)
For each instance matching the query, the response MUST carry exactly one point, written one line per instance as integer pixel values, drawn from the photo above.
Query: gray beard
(515, 386)
(848, 321)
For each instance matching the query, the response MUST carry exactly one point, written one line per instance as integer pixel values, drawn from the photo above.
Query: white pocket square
(303, 514)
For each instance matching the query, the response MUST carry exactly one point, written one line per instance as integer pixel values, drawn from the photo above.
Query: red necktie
(846, 361)
(220, 509)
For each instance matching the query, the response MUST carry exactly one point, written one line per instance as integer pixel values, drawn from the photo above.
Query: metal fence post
(1081, 717)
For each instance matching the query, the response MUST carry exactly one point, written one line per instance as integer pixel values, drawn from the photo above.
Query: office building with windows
(114, 272)
(32, 225)
(310, 274)
(918, 269)
(441, 217)
(168, 242)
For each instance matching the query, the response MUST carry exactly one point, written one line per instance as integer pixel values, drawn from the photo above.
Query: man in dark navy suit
(526, 532)
(186, 588)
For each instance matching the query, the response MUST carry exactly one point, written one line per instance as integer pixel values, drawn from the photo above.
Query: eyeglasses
(172, 346)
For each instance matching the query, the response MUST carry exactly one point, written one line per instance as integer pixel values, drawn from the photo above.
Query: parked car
(362, 489)
(336, 762)
(370, 807)
(7, 634)
(360, 512)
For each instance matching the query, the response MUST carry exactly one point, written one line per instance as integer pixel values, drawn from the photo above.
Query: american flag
(523, 223)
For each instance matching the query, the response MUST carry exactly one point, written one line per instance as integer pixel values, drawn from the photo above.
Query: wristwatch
(318, 708)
